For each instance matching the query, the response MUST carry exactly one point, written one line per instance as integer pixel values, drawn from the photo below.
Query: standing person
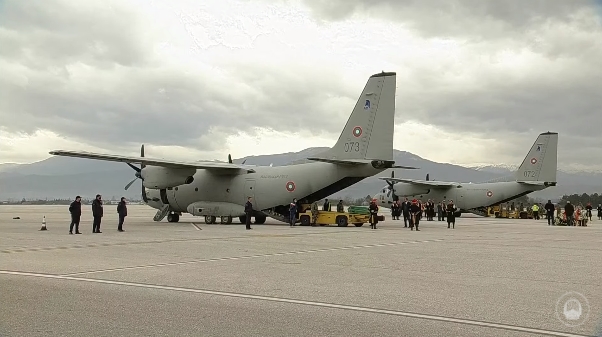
(314, 213)
(122, 210)
(439, 211)
(340, 207)
(589, 207)
(248, 212)
(76, 212)
(550, 212)
(293, 212)
(599, 211)
(451, 214)
(569, 210)
(395, 210)
(97, 212)
(373, 214)
(414, 214)
(326, 206)
(405, 208)
(535, 209)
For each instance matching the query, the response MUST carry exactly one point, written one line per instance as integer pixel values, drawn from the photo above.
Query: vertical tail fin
(541, 163)
(368, 133)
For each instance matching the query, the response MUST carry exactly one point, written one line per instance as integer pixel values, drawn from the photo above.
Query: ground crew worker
(76, 212)
(340, 207)
(293, 212)
(451, 214)
(535, 209)
(414, 214)
(97, 213)
(373, 214)
(314, 213)
(248, 212)
(405, 208)
(549, 212)
(123, 212)
(326, 206)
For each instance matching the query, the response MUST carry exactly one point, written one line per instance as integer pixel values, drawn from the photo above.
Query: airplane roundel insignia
(533, 161)
(290, 186)
(357, 131)
(489, 194)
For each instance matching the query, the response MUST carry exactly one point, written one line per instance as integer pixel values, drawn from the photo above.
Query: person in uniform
(122, 210)
(414, 214)
(293, 212)
(326, 206)
(340, 207)
(248, 212)
(535, 209)
(451, 214)
(76, 212)
(314, 213)
(97, 213)
(599, 211)
(373, 214)
(439, 211)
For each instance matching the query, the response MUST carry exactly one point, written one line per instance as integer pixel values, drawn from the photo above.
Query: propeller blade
(229, 158)
(427, 177)
(134, 167)
(243, 162)
(130, 184)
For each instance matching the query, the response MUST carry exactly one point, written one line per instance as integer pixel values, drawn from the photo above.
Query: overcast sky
(477, 81)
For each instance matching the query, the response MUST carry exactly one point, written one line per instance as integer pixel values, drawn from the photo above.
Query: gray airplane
(537, 172)
(220, 189)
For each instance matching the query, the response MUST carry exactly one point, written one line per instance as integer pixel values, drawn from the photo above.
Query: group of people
(413, 212)
(571, 216)
(75, 208)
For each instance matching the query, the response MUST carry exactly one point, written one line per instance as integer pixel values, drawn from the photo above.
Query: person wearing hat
(373, 214)
(451, 214)
(414, 214)
(76, 212)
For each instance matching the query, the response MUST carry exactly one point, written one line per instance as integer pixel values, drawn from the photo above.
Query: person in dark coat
(588, 209)
(451, 214)
(248, 212)
(569, 211)
(395, 210)
(373, 214)
(97, 211)
(599, 211)
(76, 212)
(549, 207)
(292, 212)
(439, 211)
(122, 210)
(405, 209)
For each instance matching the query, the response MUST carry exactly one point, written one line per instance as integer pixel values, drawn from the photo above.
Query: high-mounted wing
(207, 165)
(422, 182)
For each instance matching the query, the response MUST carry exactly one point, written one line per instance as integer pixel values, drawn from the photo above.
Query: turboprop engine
(164, 177)
(408, 190)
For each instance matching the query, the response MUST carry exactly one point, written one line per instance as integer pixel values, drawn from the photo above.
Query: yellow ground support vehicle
(503, 212)
(336, 218)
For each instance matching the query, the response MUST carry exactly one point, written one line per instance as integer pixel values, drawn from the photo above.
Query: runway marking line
(168, 264)
(445, 319)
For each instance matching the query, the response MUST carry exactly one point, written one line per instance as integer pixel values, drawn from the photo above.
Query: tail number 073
(352, 147)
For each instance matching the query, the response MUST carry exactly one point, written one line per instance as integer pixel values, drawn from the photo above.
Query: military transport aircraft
(220, 189)
(537, 172)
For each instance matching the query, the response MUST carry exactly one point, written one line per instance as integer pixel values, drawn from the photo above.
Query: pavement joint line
(232, 258)
(478, 323)
(105, 244)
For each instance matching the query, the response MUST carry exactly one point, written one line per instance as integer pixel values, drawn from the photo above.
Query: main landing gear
(225, 220)
(173, 217)
(259, 219)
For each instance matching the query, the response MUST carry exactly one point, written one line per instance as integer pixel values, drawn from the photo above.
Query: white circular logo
(572, 309)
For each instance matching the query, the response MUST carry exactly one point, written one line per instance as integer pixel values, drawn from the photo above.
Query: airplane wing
(207, 165)
(422, 182)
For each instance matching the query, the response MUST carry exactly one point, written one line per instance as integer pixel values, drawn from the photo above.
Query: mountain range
(63, 177)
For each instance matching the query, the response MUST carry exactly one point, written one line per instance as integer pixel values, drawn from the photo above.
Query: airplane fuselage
(268, 186)
(466, 197)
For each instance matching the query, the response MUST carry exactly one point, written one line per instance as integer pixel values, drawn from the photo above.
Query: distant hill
(61, 177)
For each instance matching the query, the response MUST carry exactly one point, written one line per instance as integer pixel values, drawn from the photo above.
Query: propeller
(229, 158)
(427, 177)
(138, 174)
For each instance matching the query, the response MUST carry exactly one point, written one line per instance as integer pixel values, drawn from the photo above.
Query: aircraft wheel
(209, 219)
(341, 221)
(260, 219)
(358, 224)
(173, 217)
(225, 219)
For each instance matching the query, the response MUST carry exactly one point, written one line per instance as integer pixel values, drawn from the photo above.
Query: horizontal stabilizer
(343, 161)
(422, 182)
(207, 165)
(537, 183)
(405, 167)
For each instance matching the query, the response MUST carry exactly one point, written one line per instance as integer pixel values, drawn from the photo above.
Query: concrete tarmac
(486, 277)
